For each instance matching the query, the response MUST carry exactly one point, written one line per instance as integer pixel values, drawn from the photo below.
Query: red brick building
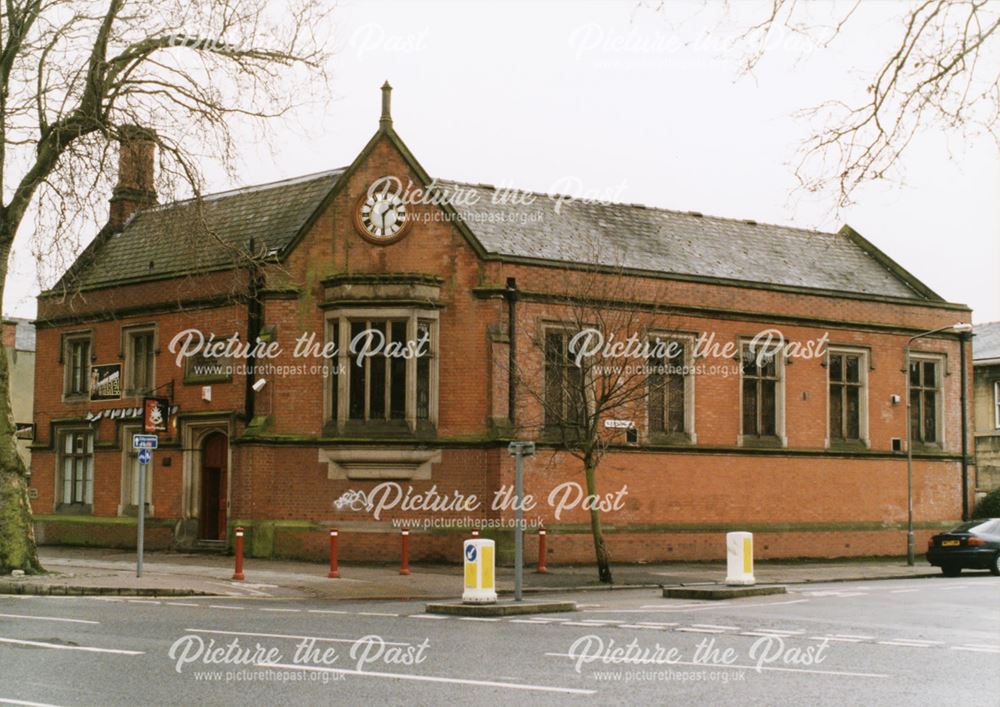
(808, 452)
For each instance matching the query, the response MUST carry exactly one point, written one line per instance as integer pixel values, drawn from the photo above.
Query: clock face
(381, 218)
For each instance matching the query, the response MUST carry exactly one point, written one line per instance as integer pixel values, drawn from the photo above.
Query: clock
(381, 217)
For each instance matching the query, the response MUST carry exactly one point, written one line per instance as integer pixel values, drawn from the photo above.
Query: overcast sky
(618, 102)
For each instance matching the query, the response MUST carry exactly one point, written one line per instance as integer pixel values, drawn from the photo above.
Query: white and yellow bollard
(739, 559)
(480, 565)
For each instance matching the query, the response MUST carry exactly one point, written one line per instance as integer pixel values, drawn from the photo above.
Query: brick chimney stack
(135, 189)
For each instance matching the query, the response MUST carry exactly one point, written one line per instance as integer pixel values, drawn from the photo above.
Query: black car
(972, 545)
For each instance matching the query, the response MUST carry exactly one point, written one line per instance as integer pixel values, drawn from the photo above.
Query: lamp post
(961, 328)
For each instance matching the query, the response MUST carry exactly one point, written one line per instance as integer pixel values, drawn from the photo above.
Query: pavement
(74, 570)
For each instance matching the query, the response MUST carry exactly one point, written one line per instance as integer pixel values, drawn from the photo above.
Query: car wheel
(995, 566)
(951, 570)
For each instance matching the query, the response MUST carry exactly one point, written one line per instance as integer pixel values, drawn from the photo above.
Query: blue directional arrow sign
(145, 456)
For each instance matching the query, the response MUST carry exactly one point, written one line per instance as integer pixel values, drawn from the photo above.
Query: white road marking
(834, 638)
(902, 591)
(58, 646)
(784, 631)
(284, 611)
(476, 618)
(223, 606)
(921, 641)
(657, 624)
(142, 601)
(902, 643)
(12, 701)
(285, 635)
(855, 635)
(516, 621)
(180, 603)
(586, 606)
(48, 618)
(327, 611)
(976, 649)
(687, 629)
(577, 623)
(426, 616)
(431, 678)
(753, 667)
(375, 613)
(660, 609)
(724, 628)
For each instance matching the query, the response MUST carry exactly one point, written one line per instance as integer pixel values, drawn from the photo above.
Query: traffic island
(506, 608)
(717, 592)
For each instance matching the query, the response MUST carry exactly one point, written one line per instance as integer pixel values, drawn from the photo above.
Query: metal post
(141, 510)
(962, 340)
(909, 463)
(405, 562)
(518, 520)
(542, 569)
(238, 570)
(334, 569)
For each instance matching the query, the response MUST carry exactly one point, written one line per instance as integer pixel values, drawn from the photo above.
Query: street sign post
(145, 444)
(519, 450)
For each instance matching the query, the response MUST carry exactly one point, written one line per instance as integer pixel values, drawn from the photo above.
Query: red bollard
(405, 566)
(541, 551)
(238, 573)
(334, 570)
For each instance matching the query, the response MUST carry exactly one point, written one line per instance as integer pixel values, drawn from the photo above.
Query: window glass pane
(853, 412)
(836, 367)
(853, 369)
(675, 403)
(553, 378)
(930, 374)
(767, 408)
(749, 407)
(657, 397)
(575, 411)
(749, 362)
(836, 412)
(356, 403)
(377, 392)
(334, 364)
(930, 416)
(916, 402)
(914, 373)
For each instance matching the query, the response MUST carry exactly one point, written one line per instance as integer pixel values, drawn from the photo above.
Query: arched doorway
(214, 464)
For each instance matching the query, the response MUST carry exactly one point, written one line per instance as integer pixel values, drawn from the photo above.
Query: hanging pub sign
(106, 382)
(156, 415)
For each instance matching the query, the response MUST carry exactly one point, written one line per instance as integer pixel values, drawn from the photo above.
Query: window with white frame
(925, 398)
(76, 469)
(563, 394)
(670, 380)
(131, 468)
(762, 394)
(848, 395)
(77, 351)
(140, 357)
(385, 369)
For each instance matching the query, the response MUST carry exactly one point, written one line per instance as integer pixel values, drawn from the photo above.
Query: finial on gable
(386, 119)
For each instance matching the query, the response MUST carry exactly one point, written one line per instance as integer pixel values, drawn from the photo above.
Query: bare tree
(600, 356)
(942, 73)
(76, 76)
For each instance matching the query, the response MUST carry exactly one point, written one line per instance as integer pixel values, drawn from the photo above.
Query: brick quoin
(802, 500)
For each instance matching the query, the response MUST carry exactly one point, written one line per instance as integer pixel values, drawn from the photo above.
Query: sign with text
(144, 441)
(106, 382)
(156, 413)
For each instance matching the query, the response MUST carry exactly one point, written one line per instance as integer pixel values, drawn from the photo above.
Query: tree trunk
(17, 535)
(601, 553)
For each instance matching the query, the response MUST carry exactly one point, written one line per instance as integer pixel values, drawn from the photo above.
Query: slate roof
(686, 243)
(181, 237)
(173, 239)
(986, 341)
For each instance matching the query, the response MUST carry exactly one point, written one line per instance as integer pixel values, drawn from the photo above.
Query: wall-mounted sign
(156, 414)
(106, 382)
(24, 430)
